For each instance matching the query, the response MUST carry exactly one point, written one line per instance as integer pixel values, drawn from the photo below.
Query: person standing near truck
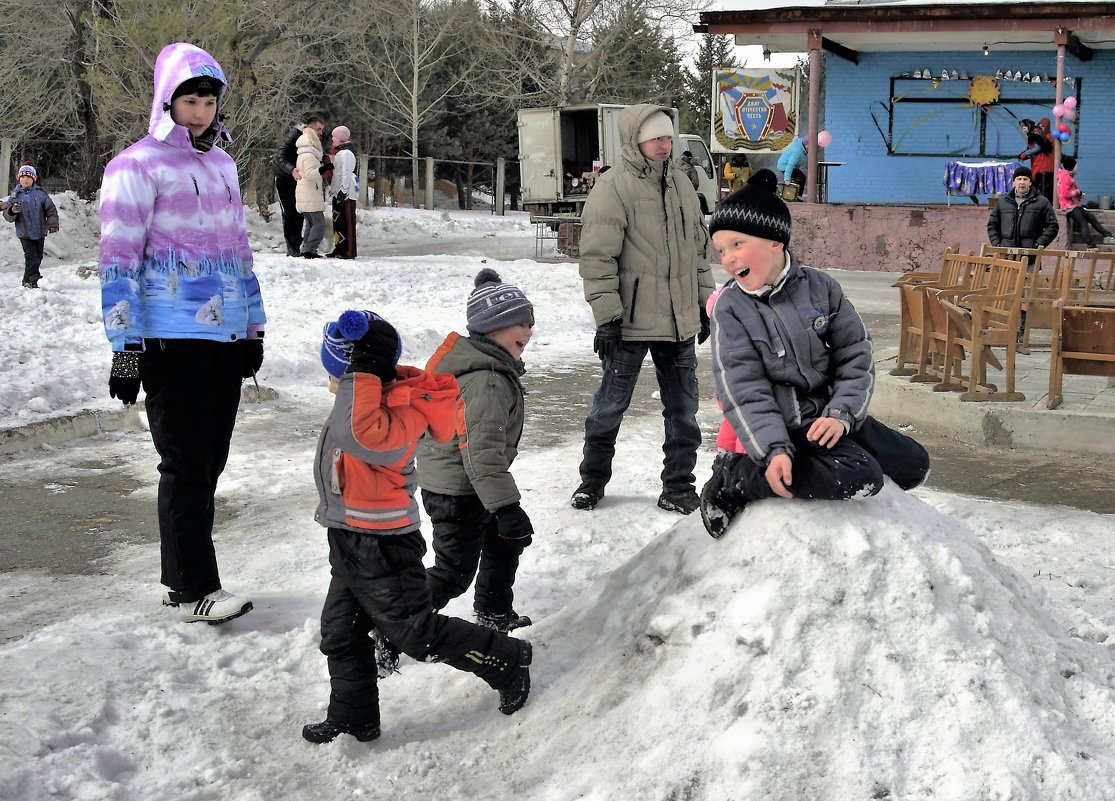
(646, 277)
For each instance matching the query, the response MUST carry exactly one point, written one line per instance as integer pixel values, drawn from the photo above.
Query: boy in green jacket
(480, 530)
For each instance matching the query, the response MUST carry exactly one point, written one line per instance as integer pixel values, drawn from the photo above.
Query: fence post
(7, 145)
(362, 195)
(429, 182)
(498, 188)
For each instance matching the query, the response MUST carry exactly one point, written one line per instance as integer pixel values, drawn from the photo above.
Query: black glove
(706, 328)
(251, 353)
(513, 523)
(123, 381)
(607, 340)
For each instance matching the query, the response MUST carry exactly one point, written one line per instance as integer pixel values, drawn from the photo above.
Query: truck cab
(706, 169)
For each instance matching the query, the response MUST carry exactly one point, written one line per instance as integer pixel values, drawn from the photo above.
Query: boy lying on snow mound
(793, 367)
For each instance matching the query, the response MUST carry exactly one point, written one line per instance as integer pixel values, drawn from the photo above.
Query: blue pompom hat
(351, 327)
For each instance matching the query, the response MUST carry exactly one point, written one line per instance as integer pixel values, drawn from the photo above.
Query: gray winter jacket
(784, 360)
(490, 412)
(643, 244)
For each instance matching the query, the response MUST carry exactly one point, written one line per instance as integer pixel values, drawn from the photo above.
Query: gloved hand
(513, 522)
(251, 352)
(123, 381)
(52, 229)
(706, 328)
(607, 340)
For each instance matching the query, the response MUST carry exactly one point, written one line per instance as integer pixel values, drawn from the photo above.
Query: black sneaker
(514, 695)
(587, 496)
(683, 502)
(500, 621)
(387, 655)
(327, 731)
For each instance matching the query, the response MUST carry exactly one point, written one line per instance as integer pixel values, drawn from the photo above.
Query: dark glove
(607, 340)
(513, 522)
(123, 381)
(706, 328)
(251, 352)
(52, 229)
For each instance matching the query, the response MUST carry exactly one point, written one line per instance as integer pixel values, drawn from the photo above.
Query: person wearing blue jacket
(792, 163)
(35, 216)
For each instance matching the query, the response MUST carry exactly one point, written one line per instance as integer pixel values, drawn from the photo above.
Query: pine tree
(715, 52)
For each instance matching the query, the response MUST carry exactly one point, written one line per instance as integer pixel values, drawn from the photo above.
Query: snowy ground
(922, 646)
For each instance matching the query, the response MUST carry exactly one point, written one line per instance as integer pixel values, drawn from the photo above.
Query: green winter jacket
(490, 411)
(643, 244)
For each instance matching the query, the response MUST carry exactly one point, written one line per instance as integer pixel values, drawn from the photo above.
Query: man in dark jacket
(1022, 218)
(286, 157)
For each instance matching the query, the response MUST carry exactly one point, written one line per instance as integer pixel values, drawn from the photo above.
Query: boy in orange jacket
(366, 481)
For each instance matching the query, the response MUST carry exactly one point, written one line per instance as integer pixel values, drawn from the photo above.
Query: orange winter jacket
(365, 472)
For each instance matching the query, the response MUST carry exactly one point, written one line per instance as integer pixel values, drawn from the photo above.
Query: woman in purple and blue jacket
(182, 310)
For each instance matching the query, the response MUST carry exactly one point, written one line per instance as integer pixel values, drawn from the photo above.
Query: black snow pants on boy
(855, 466)
(379, 580)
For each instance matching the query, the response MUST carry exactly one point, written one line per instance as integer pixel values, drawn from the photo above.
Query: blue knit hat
(372, 332)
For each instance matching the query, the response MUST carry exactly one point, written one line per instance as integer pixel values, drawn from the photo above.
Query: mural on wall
(948, 114)
(754, 111)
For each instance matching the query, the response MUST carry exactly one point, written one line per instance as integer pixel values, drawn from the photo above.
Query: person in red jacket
(365, 476)
(1039, 149)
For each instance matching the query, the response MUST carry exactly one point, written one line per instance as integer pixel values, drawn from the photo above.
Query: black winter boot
(513, 695)
(720, 500)
(501, 621)
(587, 496)
(683, 501)
(327, 731)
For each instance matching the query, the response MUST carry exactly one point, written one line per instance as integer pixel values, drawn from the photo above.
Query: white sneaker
(214, 608)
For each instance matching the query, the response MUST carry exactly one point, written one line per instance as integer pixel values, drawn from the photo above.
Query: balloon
(1064, 136)
(1070, 102)
(1063, 127)
(1070, 114)
(1058, 110)
(824, 139)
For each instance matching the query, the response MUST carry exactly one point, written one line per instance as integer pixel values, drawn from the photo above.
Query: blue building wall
(853, 93)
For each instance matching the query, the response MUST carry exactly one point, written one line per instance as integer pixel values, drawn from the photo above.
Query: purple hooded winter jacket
(174, 259)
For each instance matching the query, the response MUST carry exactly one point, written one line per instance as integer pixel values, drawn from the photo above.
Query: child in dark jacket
(35, 216)
(794, 369)
(366, 481)
(467, 487)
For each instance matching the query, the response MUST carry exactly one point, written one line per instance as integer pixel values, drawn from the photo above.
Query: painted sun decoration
(983, 90)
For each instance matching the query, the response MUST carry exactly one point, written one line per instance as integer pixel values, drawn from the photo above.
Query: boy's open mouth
(744, 272)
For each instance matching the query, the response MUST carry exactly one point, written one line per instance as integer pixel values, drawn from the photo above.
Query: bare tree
(402, 54)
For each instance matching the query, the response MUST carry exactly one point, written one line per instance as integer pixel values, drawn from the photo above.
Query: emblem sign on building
(754, 111)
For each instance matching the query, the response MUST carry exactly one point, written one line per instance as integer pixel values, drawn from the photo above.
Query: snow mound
(862, 650)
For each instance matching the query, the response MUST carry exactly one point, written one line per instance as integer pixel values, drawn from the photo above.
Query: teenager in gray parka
(794, 370)
(646, 276)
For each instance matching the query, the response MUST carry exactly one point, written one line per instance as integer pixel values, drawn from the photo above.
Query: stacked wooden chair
(1045, 269)
(985, 316)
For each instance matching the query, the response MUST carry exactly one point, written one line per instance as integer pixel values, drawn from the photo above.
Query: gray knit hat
(494, 304)
(755, 210)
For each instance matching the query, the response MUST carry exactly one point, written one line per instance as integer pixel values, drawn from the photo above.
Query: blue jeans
(675, 365)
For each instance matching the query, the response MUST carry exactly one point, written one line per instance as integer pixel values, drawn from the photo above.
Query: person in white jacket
(309, 194)
(342, 190)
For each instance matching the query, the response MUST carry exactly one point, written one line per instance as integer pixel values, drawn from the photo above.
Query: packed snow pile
(864, 650)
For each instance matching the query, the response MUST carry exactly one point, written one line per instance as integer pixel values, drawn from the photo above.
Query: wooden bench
(1083, 344)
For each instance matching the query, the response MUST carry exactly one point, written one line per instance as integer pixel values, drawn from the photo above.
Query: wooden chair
(1042, 285)
(911, 326)
(1091, 278)
(984, 318)
(1083, 344)
(941, 363)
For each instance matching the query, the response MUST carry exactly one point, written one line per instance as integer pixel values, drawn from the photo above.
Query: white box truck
(560, 148)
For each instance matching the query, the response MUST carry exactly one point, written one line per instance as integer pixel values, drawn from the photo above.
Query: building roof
(852, 26)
